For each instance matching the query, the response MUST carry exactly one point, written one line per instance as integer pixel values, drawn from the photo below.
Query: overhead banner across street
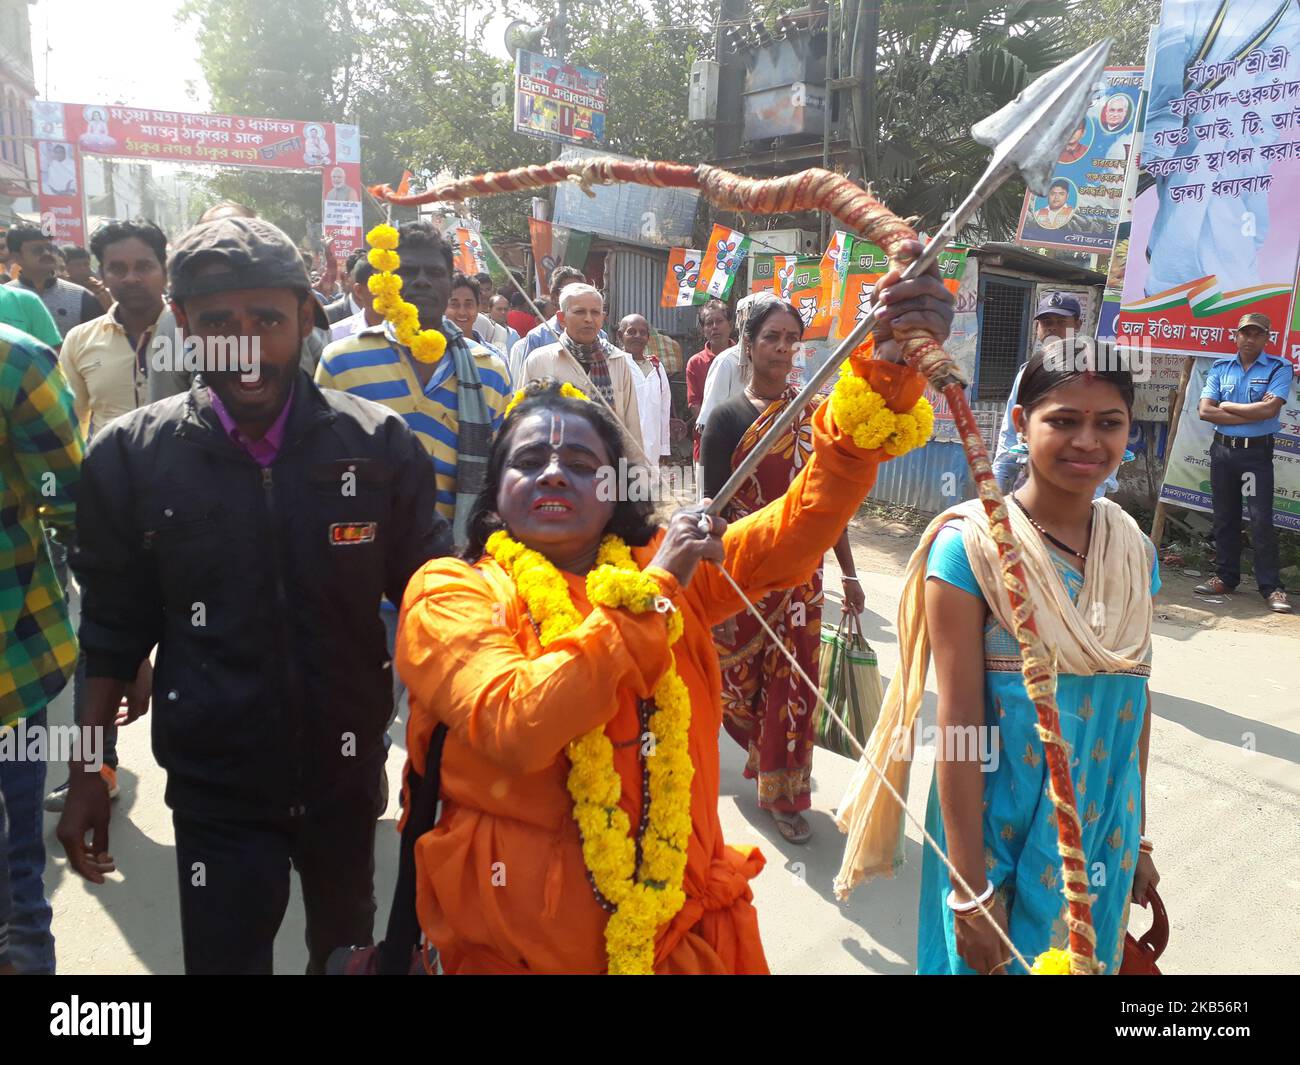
(65, 131)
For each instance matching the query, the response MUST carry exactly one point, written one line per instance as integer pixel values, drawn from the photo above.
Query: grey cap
(257, 254)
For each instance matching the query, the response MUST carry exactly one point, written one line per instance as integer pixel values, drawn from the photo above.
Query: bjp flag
(723, 256)
(866, 264)
(680, 278)
(810, 295)
(834, 266)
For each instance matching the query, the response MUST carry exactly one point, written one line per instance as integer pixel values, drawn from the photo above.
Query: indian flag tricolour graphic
(1204, 298)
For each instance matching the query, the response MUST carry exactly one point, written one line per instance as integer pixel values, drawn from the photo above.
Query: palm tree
(942, 65)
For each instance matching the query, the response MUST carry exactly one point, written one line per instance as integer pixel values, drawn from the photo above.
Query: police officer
(1243, 398)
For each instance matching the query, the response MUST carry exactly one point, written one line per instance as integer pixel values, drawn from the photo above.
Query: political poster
(1216, 224)
(558, 101)
(1082, 205)
(1187, 474)
(64, 129)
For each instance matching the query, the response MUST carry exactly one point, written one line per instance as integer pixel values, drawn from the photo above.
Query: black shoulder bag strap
(403, 935)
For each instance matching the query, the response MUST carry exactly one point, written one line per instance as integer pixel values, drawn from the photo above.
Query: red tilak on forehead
(557, 431)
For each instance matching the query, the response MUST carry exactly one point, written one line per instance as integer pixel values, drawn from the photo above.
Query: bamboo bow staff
(1027, 137)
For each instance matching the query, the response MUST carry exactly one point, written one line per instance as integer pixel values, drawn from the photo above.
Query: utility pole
(871, 36)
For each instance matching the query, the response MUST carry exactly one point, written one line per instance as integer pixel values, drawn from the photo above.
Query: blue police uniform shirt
(1228, 382)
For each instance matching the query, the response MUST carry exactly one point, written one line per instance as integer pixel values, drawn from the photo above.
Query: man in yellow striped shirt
(373, 365)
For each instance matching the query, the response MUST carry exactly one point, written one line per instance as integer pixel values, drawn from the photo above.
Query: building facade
(17, 90)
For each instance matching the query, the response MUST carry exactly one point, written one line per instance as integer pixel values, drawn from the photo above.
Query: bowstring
(779, 644)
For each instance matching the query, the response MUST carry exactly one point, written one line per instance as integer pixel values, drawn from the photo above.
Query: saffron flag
(723, 255)
(466, 251)
(556, 246)
(679, 280)
(404, 186)
(810, 294)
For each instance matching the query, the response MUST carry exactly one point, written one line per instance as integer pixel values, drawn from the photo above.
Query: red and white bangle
(1145, 846)
(973, 904)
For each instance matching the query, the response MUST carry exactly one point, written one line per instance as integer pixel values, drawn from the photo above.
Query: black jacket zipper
(293, 690)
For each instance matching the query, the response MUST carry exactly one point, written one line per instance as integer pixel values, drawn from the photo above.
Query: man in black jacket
(249, 528)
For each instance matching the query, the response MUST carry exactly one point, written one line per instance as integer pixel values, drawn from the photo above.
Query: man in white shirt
(359, 291)
(654, 396)
(587, 361)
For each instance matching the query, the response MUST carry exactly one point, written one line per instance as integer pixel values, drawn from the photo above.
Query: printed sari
(767, 708)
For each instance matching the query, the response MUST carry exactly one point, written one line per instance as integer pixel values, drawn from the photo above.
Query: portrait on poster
(58, 169)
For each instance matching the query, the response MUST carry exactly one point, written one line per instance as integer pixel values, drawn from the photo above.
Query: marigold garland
(646, 898)
(1052, 962)
(860, 411)
(427, 345)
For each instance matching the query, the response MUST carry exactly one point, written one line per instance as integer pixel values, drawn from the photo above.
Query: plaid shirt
(40, 462)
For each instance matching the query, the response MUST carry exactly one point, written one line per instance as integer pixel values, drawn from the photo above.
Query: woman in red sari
(768, 708)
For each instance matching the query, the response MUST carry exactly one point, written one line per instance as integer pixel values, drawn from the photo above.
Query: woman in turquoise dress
(994, 819)
(1091, 575)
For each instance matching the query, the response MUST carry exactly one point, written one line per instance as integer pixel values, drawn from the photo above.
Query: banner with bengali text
(221, 140)
(1216, 225)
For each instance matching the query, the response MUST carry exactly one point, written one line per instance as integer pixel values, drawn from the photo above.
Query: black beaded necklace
(1063, 546)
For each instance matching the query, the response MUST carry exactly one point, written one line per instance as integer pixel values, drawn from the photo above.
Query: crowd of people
(282, 563)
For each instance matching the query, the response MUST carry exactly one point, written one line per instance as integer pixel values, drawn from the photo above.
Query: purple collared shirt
(262, 451)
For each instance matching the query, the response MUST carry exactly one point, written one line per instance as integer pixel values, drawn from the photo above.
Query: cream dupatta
(1107, 631)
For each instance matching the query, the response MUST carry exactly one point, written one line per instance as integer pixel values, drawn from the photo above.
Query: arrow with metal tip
(1027, 137)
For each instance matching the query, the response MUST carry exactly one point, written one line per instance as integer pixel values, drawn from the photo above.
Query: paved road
(1224, 812)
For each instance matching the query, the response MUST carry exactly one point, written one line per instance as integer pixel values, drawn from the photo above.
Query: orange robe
(502, 887)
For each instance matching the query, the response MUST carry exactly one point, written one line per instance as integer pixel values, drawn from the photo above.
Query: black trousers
(1232, 470)
(234, 884)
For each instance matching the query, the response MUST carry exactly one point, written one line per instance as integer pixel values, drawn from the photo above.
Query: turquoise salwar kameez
(1101, 720)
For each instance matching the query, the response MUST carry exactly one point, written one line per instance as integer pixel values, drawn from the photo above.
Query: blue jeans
(59, 556)
(400, 698)
(31, 944)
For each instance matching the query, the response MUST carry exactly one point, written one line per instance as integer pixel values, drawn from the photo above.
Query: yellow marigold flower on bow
(1052, 962)
(383, 236)
(860, 412)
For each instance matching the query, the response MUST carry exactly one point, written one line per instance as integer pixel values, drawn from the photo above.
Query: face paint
(557, 431)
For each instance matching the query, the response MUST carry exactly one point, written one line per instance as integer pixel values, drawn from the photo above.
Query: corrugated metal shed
(634, 279)
(929, 479)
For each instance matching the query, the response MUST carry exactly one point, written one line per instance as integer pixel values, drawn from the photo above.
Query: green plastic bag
(850, 683)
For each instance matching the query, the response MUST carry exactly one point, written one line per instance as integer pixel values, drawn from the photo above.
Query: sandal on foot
(793, 828)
